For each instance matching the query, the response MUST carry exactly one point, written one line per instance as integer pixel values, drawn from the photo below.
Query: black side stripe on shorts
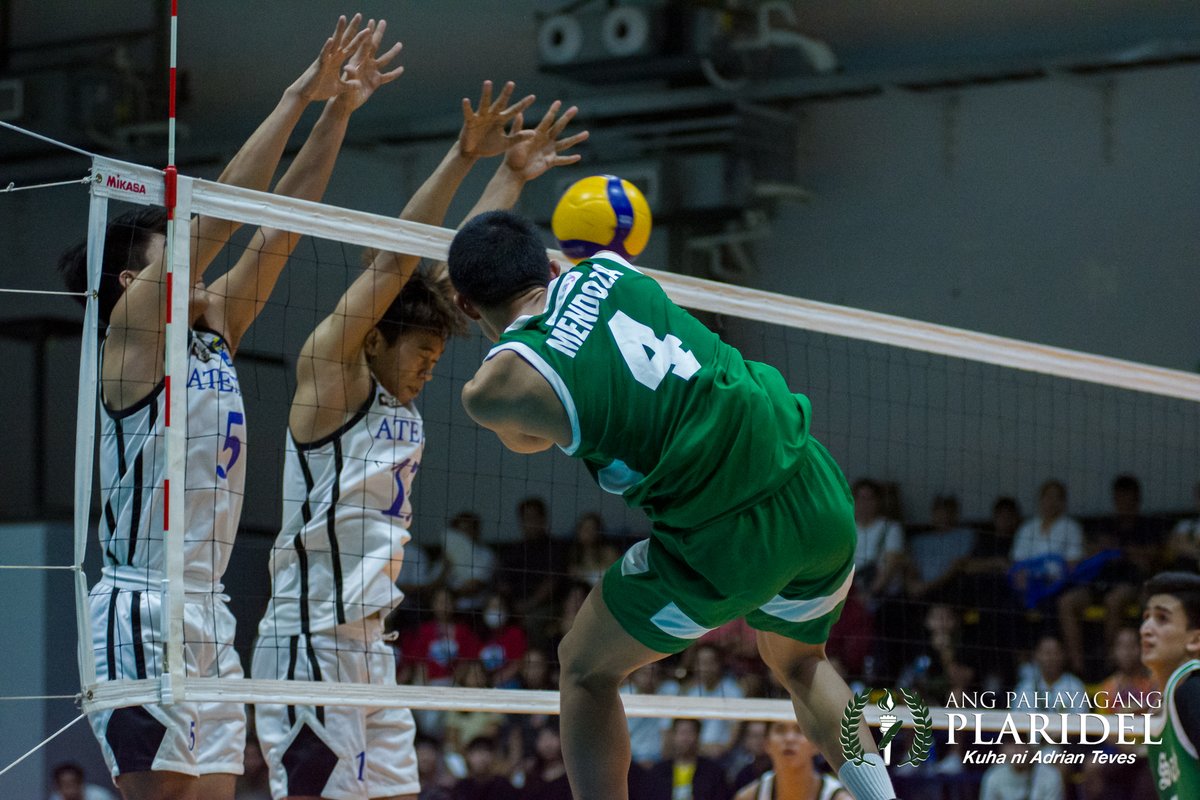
(135, 616)
(315, 667)
(331, 529)
(135, 519)
(110, 646)
(109, 516)
(298, 540)
(293, 654)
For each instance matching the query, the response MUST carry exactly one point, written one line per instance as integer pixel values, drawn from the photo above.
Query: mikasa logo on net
(122, 184)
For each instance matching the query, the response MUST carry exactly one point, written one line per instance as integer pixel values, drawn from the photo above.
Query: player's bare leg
(161, 786)
(595, 657)
(819, 697)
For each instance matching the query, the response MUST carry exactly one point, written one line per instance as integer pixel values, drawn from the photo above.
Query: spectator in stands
(645, 733)
(589, 553)
(504, 644)
(1185, 539)
(438, 646)
(879, 556)
(1128, 690)
(483, 780)
(1046, 682)
(748, 759)
(461, 727)
(1125, 550)
(686, 774)
(793, 772)
(546, 777)
(937, 555)
(70, 785)
(532, 566)
(709, 678)
(1047, 545)
(981, 587)
(938, 671)
(436, 780)
(1019, 778)
(572, 595)
(739, 642)
(520, 730)
(255, 781)
(470, 563)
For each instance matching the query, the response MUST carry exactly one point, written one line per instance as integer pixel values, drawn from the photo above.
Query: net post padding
(175, 374)
(85, 428)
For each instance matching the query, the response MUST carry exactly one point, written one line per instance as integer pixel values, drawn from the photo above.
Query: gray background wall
(1060, 209)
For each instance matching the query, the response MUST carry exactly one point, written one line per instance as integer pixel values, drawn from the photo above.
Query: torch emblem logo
(889, 726)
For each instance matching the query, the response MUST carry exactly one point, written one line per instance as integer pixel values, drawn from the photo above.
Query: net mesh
(505, 547)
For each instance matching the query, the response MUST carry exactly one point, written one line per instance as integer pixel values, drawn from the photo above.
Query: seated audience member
(1047, 684)
(504, 644)
(1128, 690)
(686, 774)
(589, 553)
(645, 733)
(748, 759)
(938, 670)
(520, 731)
(546, 775)
(851, 642)
(936, 555)
(1126, 549)
(1049, 544)
(1185, 539)
(709, 679)
(1021, 779)
(470, 563)
(436, 780)
(879, 555)
(438, 646)
(483, 780)
(70, 785)
(460, 727)
(793, 772)
(530, 568)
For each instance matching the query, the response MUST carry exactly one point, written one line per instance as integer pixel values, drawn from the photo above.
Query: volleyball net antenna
(934, 410)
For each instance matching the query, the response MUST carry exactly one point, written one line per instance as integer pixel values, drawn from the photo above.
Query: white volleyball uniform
(346, 515)
(766, 786)
(126, 605)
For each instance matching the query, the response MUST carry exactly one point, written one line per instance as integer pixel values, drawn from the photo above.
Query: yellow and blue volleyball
(602, 212)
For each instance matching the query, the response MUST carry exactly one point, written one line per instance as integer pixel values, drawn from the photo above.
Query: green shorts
(784, 563)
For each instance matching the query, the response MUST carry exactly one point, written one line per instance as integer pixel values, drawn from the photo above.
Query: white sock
(867, 781)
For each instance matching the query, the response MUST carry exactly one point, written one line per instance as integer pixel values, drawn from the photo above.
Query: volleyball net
(944, 421)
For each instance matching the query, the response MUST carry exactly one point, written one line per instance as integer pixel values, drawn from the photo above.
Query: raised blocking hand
(362, 76)
(482, 133)
(323, 78)
(534, 155)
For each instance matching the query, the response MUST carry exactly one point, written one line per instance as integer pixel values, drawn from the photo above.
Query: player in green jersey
(1171, 650)
(750, 515)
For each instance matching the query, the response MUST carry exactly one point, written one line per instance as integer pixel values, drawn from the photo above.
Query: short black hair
(67, 768)
(1006, 503)
(1053, 483)
(496, 256)
(536, 503)
(482, 743)
(125, 242)
(422, 305)
(675, 723)
(1183, 586)
(867, 483)
(1127, 483)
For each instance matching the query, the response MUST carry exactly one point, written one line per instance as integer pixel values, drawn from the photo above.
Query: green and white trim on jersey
(1175, 762)
(552, 378)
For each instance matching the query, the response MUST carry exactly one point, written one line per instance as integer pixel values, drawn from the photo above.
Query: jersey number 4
(648, 357)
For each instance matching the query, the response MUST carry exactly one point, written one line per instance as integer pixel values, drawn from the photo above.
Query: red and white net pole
(178, 284)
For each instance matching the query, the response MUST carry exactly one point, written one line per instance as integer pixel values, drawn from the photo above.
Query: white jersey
(766, 786)
(133, 466)
(346, 515)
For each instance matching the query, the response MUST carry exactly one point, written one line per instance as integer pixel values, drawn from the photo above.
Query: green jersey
(661, 410)
(1175, 763)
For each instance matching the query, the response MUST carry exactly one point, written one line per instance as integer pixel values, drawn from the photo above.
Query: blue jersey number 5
(232, 443)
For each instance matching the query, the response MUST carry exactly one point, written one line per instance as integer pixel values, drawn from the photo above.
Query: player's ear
(555, 269)
(373, 343)
(1193, 642)
(466, 306)
(126, 277)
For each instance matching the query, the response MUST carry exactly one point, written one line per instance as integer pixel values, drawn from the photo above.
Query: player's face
(786, 743)
(407, 365)
(1167, 640)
